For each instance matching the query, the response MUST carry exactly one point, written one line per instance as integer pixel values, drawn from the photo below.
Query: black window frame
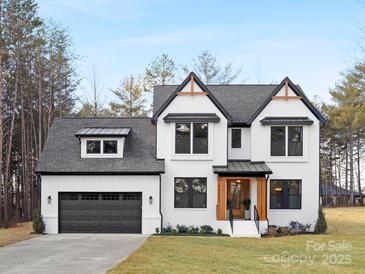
(93, 153)
(291, 143)
(285, 195)
(272, 145)
(192, 143)
(239, 145)
(110, 153)
(190, 192)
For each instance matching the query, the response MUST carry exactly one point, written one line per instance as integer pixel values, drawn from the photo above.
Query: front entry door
(235, 198)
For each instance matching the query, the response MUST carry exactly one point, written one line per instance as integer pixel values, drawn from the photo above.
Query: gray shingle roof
(240, 101)
(243, 167)
(331, 189)
(61, 153)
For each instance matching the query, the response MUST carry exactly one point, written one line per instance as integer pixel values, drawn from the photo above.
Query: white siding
(305, 168)
(148, 185)
(245, 151)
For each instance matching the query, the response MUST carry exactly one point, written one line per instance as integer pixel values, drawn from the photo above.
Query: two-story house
(235, 157)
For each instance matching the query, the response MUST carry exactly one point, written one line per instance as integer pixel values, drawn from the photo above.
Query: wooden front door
(235, 197)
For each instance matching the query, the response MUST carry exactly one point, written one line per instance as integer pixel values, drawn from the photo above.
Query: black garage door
(97, 212)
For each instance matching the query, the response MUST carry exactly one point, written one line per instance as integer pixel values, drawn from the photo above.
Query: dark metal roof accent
(298, 91)
(61, 154)
(243, 167)
(171, 97)
(192, 117)
(103, 131)
(286, 121)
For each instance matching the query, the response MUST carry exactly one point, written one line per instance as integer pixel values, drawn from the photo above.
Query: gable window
(190, 192)
(286, 141)
(278, 141)
(93, 147)
(285, 194)
(236, 138)
(191, 138)
(110, 147)
(295, 141)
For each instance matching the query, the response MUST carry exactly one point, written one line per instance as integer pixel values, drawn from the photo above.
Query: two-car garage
(100, 212)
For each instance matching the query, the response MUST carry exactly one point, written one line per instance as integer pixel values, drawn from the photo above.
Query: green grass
(249, 255)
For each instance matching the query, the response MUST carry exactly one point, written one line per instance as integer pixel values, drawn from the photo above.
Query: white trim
(192, 156)
(120, 147)
(286, 158)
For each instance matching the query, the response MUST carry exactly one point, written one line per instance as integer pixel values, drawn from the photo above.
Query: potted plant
(247, 203)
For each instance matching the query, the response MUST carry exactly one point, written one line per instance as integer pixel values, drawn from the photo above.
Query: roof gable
(187, 88)
(299, 95)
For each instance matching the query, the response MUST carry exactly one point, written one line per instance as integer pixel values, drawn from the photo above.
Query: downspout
(267, 179)
(160, 206)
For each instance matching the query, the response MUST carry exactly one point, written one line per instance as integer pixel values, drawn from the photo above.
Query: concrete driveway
(68, 253)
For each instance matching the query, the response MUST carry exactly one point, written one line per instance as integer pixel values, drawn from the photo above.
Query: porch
(241, 197)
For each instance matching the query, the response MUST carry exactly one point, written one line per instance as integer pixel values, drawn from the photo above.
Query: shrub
(157, 229)
(193, 229)
(321, 223)
(182, 228)
(206, 229)
(219, 231)
(298, 228)
(283, 230)
(167, 229)
(173, 231)
(38, 224)
(272, 231)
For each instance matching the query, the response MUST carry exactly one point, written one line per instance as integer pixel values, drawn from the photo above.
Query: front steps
(241, 228)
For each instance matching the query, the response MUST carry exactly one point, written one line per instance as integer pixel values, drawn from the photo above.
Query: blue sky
(309, 41)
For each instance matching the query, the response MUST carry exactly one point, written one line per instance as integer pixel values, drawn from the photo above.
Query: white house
(207, 151)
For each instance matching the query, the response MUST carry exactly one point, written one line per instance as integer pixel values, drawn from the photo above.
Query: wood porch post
(221, 198)
(261, 198)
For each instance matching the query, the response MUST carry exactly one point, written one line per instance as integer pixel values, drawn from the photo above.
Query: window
(200, 140)
(182, 139)
(110, 147)
(93, 147)
(110, 197)
(132, 197)
(294, 144)
(189, 135)
(190, 192)
(285, 194)
(69, 196)
(236, 138)
(295, 141)
(89, 196)
(277, 141)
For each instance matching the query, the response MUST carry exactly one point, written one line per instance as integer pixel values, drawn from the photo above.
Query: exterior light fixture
(49, 199)
(150, 200)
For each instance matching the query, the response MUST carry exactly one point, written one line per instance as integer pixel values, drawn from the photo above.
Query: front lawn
(21, 232)
(339, 251)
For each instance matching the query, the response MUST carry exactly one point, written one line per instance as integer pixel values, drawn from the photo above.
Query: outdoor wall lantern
(49, 199)
(150, 200)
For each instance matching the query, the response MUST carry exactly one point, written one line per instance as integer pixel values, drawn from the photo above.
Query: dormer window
(110, 147)
(93, 147)
(102, 142)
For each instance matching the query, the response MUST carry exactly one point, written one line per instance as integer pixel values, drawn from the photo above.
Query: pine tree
(131, 95)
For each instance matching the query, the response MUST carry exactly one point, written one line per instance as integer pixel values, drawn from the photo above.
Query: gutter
(160, 206)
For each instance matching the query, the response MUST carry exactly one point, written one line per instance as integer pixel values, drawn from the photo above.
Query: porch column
(221, 198)
(261, 198)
